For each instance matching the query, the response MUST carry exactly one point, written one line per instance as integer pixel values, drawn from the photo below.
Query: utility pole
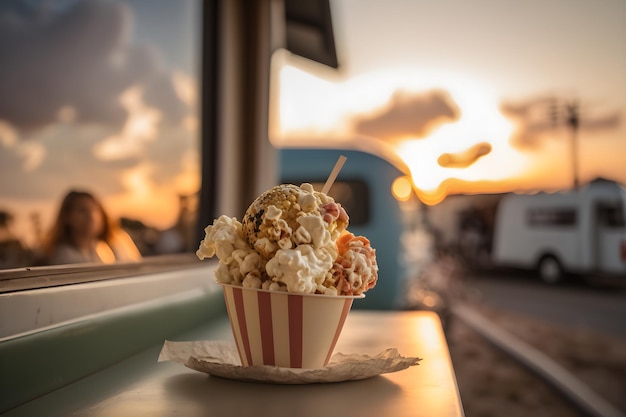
(573, 121)
(570, 114)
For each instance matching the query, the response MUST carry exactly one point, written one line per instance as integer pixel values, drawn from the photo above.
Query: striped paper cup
(285, 329)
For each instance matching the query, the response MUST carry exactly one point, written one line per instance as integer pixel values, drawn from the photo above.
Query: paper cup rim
(354, 297)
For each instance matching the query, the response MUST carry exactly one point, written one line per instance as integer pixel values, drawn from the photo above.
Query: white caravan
(575, 232)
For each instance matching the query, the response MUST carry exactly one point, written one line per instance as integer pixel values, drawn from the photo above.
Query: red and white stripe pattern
(285, 329)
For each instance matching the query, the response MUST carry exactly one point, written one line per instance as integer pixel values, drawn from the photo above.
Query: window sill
(29, 278)
(37, 299)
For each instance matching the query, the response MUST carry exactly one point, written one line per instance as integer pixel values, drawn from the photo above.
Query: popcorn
(291, 239)
(355, 270)
(301, 269)
(237, 261)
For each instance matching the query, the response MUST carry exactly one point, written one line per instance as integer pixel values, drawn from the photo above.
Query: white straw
(334, 173)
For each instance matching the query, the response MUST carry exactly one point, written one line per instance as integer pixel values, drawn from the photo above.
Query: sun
(458, 155)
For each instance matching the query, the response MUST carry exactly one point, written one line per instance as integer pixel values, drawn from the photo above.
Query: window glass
(610, 215)
(98, 97)
(552, 216)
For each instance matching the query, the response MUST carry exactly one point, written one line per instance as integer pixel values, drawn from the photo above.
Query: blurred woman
(83, 232)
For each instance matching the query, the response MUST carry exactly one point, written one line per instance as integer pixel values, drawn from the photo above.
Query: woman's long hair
(60, 232)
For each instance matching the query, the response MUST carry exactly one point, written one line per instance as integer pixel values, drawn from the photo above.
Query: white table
(139, 386)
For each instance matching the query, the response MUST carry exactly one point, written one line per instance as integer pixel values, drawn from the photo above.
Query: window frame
(35, 277)
(30, 278)
(238, 38)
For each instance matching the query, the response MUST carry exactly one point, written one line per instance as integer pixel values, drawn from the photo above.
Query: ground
(492, 384)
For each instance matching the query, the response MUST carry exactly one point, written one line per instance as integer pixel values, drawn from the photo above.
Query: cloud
(605, 122)
(80, 58)
(161, 94)
(140, 127)
(64, 164)
(409, 115)
(70, 164)
(540, 118)
(170, 154)
(465, 158)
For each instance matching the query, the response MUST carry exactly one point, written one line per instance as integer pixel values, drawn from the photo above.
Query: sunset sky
(102, 95)
(445, 81)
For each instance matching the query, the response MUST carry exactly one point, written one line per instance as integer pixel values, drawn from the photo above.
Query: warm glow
(401, 188)
(141, 194)
(104, 252)
(309, 114)
(137, 180)
(422, 156)
(427, 331)
(138, 201)
(429, 301)
(188, 180)
(455, 156)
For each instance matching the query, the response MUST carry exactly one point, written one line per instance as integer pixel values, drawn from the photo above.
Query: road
(598, 307)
